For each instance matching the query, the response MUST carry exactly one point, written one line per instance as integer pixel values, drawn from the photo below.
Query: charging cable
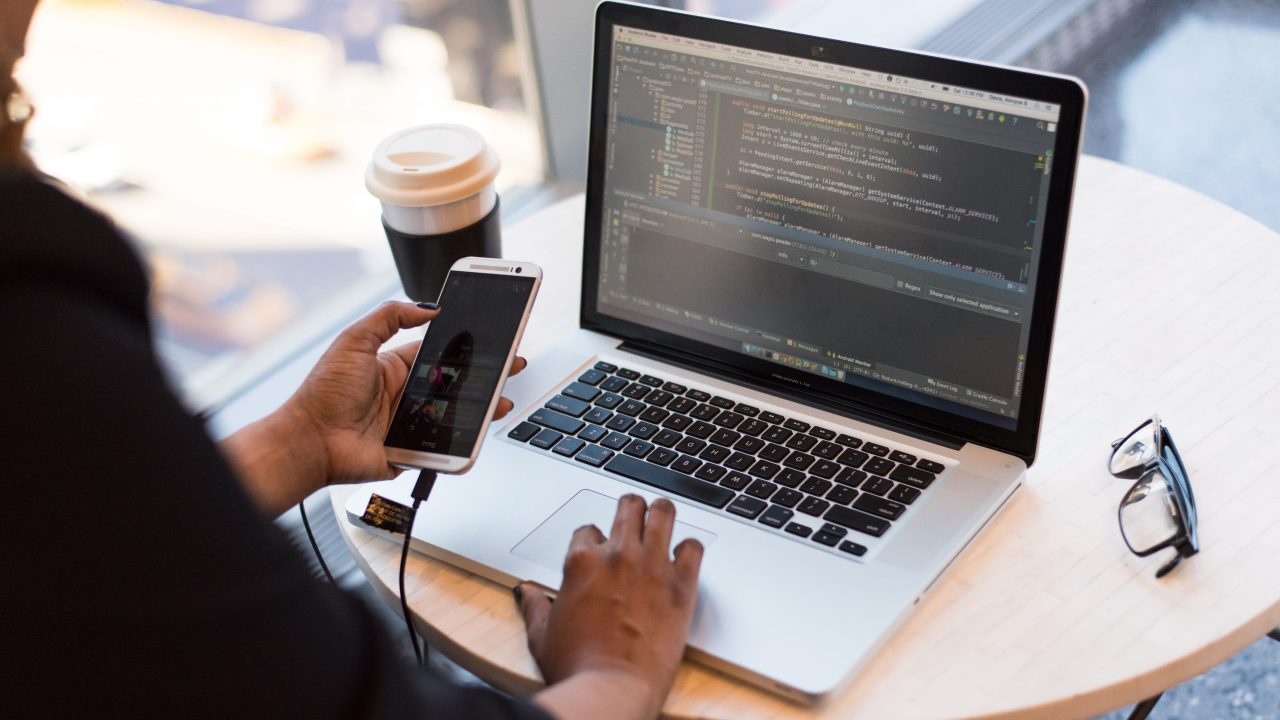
(421, 491)
(315, 547)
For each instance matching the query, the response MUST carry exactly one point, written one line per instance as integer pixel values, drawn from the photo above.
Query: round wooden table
(1169, 305)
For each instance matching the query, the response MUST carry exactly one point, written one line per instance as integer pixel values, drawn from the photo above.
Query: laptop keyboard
(752, 463)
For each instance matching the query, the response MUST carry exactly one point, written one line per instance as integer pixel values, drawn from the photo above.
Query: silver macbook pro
(818, 291)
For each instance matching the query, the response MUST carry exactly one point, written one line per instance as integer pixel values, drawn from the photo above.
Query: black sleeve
(138, 578)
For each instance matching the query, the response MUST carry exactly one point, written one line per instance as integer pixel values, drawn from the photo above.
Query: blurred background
(229, 138)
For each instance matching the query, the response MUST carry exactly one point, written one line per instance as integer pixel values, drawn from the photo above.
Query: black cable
(421, 491)
(302, 509)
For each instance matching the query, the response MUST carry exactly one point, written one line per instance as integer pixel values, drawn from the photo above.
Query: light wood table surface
(1169, 305)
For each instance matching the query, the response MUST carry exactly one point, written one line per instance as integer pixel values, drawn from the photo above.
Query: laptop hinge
(850, 410)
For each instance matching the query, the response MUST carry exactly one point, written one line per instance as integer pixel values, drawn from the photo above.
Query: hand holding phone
(456, 379)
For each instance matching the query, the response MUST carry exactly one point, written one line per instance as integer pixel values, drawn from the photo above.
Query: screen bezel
(446, 462)
(1067, 92)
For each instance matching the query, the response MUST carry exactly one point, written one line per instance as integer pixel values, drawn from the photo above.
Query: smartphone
(456, 380)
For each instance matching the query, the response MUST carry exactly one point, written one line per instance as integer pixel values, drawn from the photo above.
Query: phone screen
(459, 365)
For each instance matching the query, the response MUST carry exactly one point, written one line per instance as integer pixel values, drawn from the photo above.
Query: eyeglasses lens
(1136, 450)
(1148, 515)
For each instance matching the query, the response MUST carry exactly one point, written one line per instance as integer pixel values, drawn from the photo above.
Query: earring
(18, 107)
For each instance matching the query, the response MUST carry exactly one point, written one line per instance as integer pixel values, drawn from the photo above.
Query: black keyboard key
(636, 391)
(628, 373)
(715, 453)
(775, 516)
(886, 509)
(673, 482)
(659, 398)
(567, 405)
(931, 466)
(772, 418)
(745, 409)
(813, 506)
(915, 477)
(904, 458)
(878, 466)
(651, 381)
(816, 486)
(797, 529)
(643, 430)
(690, 446)
(667, 438)
(857, 520)
(631, 407)
(853, 458)
(605, 367)
(621, 423)
(790, 478)
(764, 469)
(877, 486)
(777, 434)
(874, 449)
(822, 537)
(581, 391)
(853, 548)
(568, 446)
(753, 427)
(842, 494)
(827, 450)
(747, 507)
(613, 384)
(593, 433)
(802, 442)
(834, 529)
(851, 477)
(710, 473)
(722, 402)
(774, 453)
(687, 465)
(700, 430)
(799, 460)
(523, 431)
(638, 448)
(654, 414)
(704, 412)
(681, 405)
(904, 494)
(556, 421)
(609, 401)
(663, 456)
(824, 469)
(698, 396)
(787, 497)
(724, 437)
(598, 416)
(739, 461)
(615, 441)
(848, 441)
(797, 425)
(675, 388)
(546, 439)
(592, 377)
(735, 481)
(749, 445)
(728, 420)
(761, 489)
(677, 422)
(822, 433)
(594, 455)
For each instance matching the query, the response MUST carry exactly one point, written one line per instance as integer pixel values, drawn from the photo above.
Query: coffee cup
(435, 183)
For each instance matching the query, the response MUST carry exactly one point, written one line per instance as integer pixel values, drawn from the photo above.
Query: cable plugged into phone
(421, 491)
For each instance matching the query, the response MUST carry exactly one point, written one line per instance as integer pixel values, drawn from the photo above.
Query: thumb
(371, 331)
(535, 606)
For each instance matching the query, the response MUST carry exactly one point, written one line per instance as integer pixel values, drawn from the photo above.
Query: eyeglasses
(1159, 511)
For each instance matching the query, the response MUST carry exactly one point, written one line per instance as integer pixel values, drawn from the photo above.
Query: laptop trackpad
(549, 542)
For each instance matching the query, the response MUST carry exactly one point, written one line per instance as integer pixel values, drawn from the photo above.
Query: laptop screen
(876, 230)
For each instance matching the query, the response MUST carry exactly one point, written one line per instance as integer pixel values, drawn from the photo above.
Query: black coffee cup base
(423, 261)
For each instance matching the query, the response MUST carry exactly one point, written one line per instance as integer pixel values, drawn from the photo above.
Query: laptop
(818, 292)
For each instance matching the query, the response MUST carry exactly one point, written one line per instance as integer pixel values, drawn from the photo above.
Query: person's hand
(624, 606)
(348, 398)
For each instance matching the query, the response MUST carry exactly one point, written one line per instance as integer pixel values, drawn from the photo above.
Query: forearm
(605, 694)
(279, 460)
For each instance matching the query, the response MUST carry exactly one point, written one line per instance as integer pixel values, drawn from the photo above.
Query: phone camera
(519, 270)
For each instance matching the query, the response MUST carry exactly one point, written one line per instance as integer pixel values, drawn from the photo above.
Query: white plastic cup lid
(431, 165)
